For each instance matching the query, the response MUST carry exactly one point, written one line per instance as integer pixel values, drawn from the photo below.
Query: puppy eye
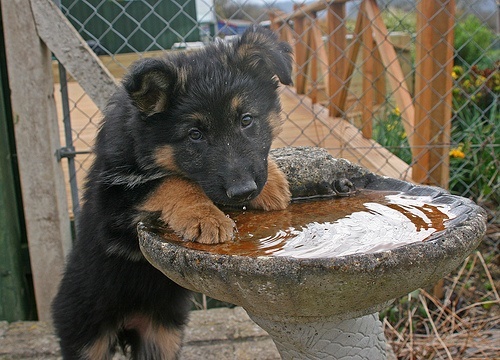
(195, 135)
(246, 120)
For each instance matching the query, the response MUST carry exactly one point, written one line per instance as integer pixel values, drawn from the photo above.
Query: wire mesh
(407, 88)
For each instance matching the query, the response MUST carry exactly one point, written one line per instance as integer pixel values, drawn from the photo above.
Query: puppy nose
(243, 191)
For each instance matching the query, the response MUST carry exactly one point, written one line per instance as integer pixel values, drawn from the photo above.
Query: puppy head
(212, 114)
(258, 53)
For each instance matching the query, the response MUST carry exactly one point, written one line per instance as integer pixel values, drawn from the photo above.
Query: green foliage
(397, 313)
(475, 171)
(389, 132)
(394, 19)
(476, 87)
(475, 135)
(473, 43)
(400, 20)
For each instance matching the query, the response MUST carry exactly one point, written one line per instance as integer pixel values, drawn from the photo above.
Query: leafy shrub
(476, 87)
(475, 135)
(473, 43)
(400, 20)
(389, 132)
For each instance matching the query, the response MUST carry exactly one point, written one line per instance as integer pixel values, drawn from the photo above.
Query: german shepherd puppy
(184, 134)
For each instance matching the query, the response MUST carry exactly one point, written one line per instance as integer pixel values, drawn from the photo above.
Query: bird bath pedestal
(321, 302)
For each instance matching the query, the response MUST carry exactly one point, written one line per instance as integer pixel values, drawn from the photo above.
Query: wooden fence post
(37, 138)
(73, 52)
(336, 57)
(300, 53)
(433, 83)
(390, 60)
(367, 98)
(14, 287)
(319, 58)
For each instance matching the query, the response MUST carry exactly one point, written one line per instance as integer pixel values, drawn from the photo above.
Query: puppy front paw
(186, 209)
(202, 223)
(276, 193)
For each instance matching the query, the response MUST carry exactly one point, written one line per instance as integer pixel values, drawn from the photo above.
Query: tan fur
(189, 212)
(236, 103)
(276, 122)
(155, 339)
(167, 341)
(197, 117)
(164, 156)
(276, 194)
(100, 349)
(182, 77)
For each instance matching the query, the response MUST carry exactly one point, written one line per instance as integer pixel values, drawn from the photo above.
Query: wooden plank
(313, 93)
(367, 98)
(320, 51)
(379, 74)
(37, 138)
(338, 136)
(422, 124)
(287, 34)
(433, 83)
(274, 24)
(278, 18)
(339, 87)
(361, 150)
(442, 83)
(73, 52)
(116, 64)
(300, 55)
(311, 8)
(14, 302)
(338, 74)
(395, 74)
(319, 58)
(301, 127)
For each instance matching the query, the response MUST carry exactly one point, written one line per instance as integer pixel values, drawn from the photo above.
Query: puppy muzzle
(242, 192)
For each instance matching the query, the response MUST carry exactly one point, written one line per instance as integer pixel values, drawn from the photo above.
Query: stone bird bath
(316, 281)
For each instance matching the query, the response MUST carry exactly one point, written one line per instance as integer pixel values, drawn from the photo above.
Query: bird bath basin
(315, 275)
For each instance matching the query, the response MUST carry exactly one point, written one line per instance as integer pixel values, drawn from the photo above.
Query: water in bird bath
(366, 222)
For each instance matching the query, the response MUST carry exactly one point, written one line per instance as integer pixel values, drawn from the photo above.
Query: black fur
(216, 111)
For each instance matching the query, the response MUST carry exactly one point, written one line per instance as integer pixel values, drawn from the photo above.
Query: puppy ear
(259, 50)
(149, 84)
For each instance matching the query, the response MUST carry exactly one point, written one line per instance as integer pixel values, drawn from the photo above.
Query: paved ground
(218, 334)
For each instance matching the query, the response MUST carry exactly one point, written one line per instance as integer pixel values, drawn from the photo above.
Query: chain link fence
(359, 107)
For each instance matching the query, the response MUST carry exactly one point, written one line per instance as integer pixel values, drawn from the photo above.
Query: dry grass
(460, 319)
